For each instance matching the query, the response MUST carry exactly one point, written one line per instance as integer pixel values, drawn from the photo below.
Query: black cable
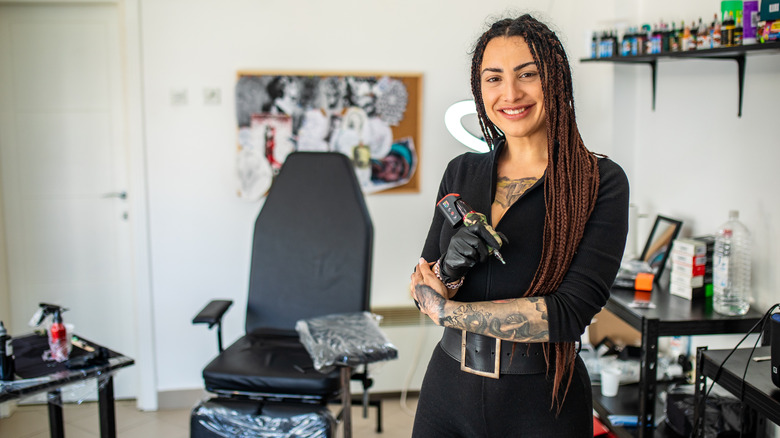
(747, 364)
(760, 322)
(767, 316)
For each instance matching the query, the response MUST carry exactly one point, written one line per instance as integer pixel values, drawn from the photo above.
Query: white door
(63, 162)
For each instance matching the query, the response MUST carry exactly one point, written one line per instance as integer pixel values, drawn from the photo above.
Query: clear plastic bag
(245, 419)
(345, 339)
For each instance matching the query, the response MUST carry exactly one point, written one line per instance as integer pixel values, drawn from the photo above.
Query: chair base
(220, 418)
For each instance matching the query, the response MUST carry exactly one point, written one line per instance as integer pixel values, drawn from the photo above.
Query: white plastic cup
(610, 381)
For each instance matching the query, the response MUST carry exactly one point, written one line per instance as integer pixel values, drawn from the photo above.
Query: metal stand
(56, 425)
(106, 406)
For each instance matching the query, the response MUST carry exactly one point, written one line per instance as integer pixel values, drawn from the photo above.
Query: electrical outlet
(179, 97)
(212, 96)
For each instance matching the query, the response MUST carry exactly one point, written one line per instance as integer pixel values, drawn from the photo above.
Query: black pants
(454, 403)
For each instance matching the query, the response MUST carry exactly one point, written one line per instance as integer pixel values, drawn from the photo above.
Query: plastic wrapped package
(722, 413)
(345, 339)
(233, 418)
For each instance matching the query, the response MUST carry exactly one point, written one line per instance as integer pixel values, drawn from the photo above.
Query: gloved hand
(470, 245)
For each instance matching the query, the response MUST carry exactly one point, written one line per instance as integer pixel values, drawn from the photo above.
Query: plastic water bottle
(731, 268)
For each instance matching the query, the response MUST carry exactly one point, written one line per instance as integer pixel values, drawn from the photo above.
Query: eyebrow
(498, 70)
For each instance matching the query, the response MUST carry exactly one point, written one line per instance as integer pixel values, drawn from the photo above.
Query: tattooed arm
(519, 320)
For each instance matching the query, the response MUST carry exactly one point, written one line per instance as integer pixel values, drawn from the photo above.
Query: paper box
(770, 10)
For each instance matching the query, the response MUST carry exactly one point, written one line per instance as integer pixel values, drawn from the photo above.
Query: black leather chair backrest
(312, 246)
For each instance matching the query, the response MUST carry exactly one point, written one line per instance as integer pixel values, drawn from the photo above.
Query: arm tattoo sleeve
(519, 320)
(430, 301)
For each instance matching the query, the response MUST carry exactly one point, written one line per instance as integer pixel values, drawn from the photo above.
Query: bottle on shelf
(731, 267)
(727, 30)
(674, 41)
(657, 38)
(665, 37)
(614, 43)
(687, 40)
(625, 43)
(694, 32)
(647, 33)
(716, 35)
(594, 45)
(703, 40)
(6, 355)
(738, 32)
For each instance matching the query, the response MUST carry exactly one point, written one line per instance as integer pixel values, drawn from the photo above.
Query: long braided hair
(572, 180)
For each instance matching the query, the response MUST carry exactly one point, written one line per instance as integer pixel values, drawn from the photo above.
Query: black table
(760, 394)
(36, 376)
(670, 316)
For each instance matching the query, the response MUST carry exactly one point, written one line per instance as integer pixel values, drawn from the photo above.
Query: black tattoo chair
(311, 256)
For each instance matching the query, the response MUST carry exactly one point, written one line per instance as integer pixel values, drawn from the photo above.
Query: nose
(512, 91)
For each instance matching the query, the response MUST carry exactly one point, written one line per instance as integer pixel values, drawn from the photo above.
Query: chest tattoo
(510, 190)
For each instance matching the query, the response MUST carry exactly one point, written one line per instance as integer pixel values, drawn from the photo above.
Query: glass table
(36, 376)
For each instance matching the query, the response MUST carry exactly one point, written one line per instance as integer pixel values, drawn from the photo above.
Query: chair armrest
(212, 313)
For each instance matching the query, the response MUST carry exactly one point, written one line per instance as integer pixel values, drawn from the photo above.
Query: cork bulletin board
(373, 118)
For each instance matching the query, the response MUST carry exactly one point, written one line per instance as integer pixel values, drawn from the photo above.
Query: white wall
(200, 230)
(694, 158)
(677, 157)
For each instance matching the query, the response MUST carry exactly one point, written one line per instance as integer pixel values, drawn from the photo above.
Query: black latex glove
(469, 246)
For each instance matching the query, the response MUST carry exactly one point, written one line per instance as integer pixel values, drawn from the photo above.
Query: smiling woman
(512, 92)
(562, 214)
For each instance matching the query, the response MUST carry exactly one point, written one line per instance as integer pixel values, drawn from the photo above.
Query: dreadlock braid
(572, 180)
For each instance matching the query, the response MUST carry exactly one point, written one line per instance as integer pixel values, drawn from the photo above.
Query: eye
(528, 75)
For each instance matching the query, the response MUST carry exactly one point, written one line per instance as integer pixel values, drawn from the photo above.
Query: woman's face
(512, 90)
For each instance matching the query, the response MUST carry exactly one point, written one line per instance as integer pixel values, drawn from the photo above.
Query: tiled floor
(81, 421)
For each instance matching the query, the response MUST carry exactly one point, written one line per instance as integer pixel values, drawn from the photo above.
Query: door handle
(120, 195)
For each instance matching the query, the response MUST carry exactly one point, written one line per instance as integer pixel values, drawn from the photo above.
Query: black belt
(477, 355)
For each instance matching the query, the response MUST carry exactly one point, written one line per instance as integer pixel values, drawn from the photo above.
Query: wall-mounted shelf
(737, 53)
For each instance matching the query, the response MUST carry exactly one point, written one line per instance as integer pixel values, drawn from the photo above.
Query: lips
(516, 112)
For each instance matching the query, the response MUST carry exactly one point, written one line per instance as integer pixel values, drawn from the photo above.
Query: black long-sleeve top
(585, 287)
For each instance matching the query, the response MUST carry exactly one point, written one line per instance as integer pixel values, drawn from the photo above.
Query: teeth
(514, 112)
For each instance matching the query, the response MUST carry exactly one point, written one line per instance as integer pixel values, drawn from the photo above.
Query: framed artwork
(372, 118)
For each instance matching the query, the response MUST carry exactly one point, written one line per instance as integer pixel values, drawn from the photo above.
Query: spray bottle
(6, 355)
(59, 340)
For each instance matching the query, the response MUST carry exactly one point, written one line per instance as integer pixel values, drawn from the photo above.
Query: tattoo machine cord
(761, 322)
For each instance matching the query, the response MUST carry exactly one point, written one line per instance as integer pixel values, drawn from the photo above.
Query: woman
(507, 363)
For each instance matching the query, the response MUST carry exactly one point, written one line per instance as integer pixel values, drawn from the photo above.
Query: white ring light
(453, 120)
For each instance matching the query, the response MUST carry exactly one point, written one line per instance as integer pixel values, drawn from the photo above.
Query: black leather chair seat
(269, 364)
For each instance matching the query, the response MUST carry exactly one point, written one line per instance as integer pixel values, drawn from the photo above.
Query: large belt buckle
(496, 367)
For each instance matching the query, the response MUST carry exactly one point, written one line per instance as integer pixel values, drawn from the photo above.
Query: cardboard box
(687, 260)
(606, 324)
(692, 271)
(690, 247)
(691, 293)
(686, 281)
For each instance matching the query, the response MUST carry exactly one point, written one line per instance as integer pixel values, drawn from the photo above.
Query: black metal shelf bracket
(654, 73)
(740, 58)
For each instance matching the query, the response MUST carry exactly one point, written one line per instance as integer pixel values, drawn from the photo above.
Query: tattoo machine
(457, 211)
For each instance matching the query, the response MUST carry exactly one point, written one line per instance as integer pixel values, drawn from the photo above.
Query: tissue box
(770, 10)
